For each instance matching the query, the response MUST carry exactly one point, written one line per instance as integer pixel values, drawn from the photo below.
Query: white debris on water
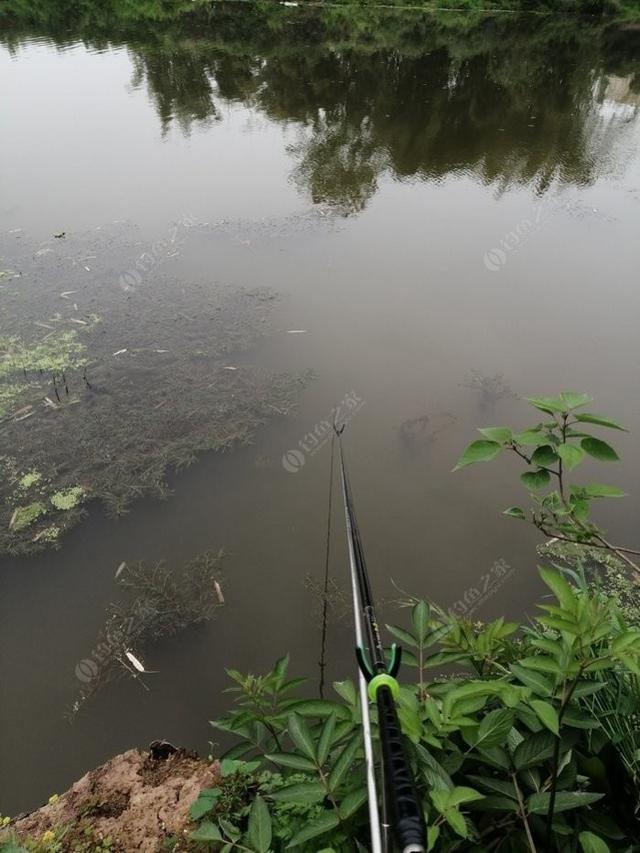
(134, 661)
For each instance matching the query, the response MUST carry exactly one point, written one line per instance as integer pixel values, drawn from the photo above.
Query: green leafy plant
(315, 747)
(552, 449)
(509, 752)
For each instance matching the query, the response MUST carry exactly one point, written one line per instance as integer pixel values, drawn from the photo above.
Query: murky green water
(443, 205)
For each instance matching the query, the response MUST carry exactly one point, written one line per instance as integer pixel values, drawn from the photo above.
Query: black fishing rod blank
(402, 807)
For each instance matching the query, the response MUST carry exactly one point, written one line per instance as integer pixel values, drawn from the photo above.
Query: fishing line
(325, 592)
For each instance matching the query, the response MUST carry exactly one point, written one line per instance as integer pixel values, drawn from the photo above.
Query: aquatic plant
(29, 479)
(155, 601)
(51, 354)
(24, 516)
(9, 395)
(68, 498)
(106, 422)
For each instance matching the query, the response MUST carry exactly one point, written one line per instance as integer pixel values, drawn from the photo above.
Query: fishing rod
(402, 810)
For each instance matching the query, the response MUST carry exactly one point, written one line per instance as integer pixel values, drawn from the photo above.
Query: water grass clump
(154, 602)
(102, 411)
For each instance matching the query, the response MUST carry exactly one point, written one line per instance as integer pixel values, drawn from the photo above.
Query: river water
(448, 209)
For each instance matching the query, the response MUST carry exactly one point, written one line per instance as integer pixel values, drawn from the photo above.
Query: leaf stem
(523, 815)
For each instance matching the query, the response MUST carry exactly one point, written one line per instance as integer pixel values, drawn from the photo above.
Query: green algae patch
(24, 516)
(52, 354)
(68, 499)
(104, 389)
(31, 478)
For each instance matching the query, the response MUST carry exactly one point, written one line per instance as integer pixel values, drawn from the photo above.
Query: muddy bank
(136, 801)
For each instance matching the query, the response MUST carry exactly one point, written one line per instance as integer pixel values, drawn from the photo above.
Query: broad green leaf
(320, 708)
(572, 400)
(530, 438)
(535, 479)
(291, 759)
(533, 750)
(469, 689)
(625, 640)
(592, 843)
(205, 803)
(544, 456)
(559, 587)
(434, 773)
(586, 688)
(494, 727)
(515, 512)
(571, 455)
(533, 679)
(347, 690)
(565, 800)
(301, 736)
(590, 418)
(457, 822)
(599, 490)
(259, 828)
(301, 792)
(410, 723)
(630, 662)
(478, 451)
(344, 762)
(229, 766)
(420, 616)
(494, 756)
(550, 405)
(437, 634)
(460, 795)
(326, 738)
(207, 831)
(599, 449)
(291, 684)
(580, 509)
(352, 802)
(229, 829)
(494, 785)
(343, 728)
(408, 658)
(500, 434)
(494, 802)
(325, 823)
(547, 714)
(578, 719)
(541, 663)
(280, 670)
(404, 636)
(433, 833)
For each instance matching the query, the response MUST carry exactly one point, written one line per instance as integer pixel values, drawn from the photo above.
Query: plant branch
(523, 815)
